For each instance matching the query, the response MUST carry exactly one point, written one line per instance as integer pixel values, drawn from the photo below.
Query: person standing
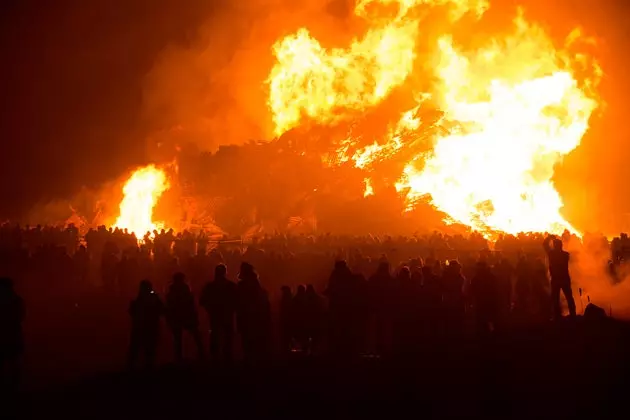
(559, 272)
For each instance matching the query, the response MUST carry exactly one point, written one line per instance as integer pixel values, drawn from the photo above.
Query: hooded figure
(181, 314)
(145, 311)
(218, 298)
(253, 314)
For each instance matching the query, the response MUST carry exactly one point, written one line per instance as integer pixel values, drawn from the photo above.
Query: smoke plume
(590, 273)
(210, 90)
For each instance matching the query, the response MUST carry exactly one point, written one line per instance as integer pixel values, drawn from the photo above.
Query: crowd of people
(282, 294)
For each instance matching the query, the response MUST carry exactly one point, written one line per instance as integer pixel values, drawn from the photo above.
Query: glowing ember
(511, 111)
(141, 193)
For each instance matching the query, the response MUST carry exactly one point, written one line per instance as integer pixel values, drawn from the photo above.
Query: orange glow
(512, 110)
(141, 193)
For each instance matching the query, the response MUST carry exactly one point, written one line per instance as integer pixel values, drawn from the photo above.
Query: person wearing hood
(145, 311)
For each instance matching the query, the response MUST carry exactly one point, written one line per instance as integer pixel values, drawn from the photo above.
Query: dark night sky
(72, 76)
(71, 86)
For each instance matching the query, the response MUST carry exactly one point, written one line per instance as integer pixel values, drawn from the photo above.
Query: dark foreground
(553, 371)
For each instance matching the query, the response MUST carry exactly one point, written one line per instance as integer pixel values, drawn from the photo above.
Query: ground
(565, 370)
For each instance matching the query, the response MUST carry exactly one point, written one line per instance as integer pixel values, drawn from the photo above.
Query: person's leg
(215, 342)
(134, 348)
(150, 350)
(482, 321)
(177, 343)
(568, 294)
(228, 343)
(198, 342)
(555, 301)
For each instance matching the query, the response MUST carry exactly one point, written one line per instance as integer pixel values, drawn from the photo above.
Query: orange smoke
(511, 110)
(141, 193)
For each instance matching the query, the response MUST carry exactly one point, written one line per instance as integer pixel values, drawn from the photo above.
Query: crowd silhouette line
(385, 297)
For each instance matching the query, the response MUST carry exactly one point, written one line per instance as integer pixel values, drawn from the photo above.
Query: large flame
(327, 84)
(520, 111)
(141, 193)
(511, 111)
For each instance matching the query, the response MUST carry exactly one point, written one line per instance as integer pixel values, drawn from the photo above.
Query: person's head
(179, 278)
(285, 290)
(341, 265)
(383, 267)
(301, 289)
(416, 262)
(404, 272)
(246, 271)
(145, 288)
(310, 289)
(454, 266)
(557, 244)
(220, 271)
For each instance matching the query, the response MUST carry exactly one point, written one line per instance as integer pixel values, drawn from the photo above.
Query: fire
(369, 190)
(326, 85)
(141, 193)
(520, 111)
(511, 111)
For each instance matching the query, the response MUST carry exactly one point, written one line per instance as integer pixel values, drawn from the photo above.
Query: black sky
(71, 86)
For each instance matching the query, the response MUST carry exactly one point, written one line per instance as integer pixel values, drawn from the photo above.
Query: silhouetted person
(431, 301)
(286, 319)
(405, 320)
(504, 273)
(344, 310)
(560, 278)
(453, 297)
(12, 313)
(218, 298)
(109, 264)
(145, 311)
(314, 317)
(381, 294)
(523, 286)
(485, 292)
(298, 315)
(181, 315)
(540, 293)
(253, 314)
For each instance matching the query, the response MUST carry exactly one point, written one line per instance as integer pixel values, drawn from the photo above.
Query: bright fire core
(512, 109)
(141, 193)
